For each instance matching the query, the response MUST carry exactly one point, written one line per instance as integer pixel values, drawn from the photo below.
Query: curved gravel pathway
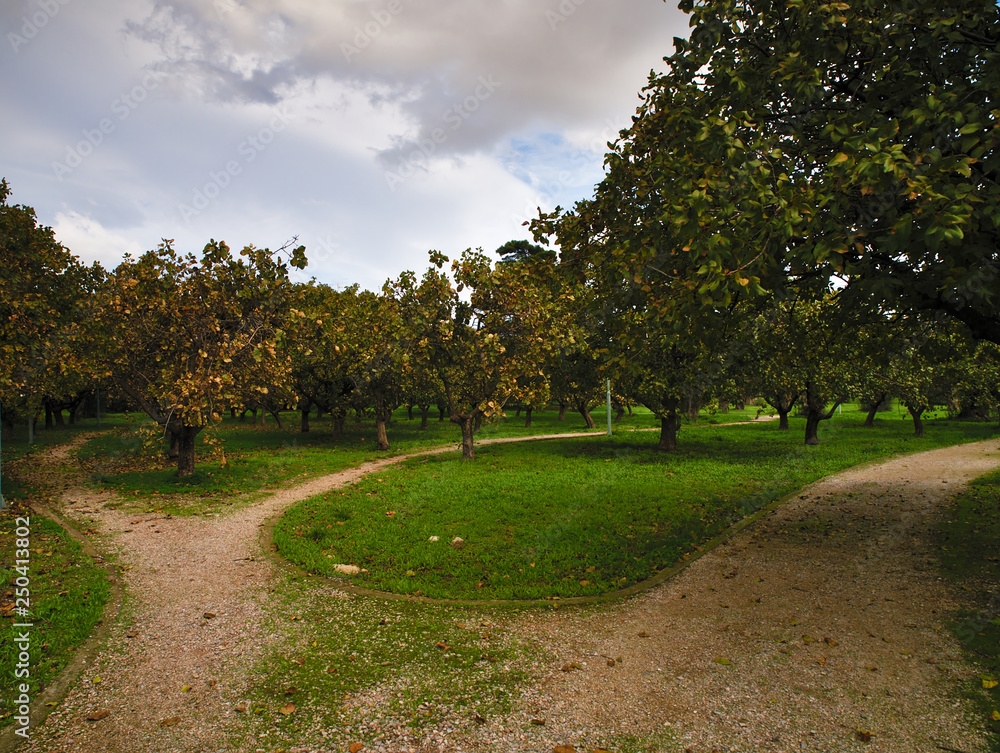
(819, 625)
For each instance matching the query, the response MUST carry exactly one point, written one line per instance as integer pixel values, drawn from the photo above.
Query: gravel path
(820, 625)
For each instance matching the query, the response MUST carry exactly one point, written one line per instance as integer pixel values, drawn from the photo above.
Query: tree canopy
(802, 143)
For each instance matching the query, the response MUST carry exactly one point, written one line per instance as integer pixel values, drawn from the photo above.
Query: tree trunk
(813, 418)
(814, 415)
(518, 413)
(260, 417)
(425, 412)
(381, 437)
(48, 416)
(916, 411)
(581, 407)
(304, 428)
(185, 436)
(872, 410)
(382, 414)
(693, 408)
(409, 410)
(277, 419)
(468, 431)
(479, 422)
(57, 414)
(339, 416)
(232, 413)
(668, 431)
(783, 405)
(723, 406)
(527, 417)
(562, 411)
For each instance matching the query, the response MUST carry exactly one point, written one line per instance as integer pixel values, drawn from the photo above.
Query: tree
(796, 142)
(482, 346)
(184, 337)
(371, 333)
(42, 286)
(799, 353)
(923, 373)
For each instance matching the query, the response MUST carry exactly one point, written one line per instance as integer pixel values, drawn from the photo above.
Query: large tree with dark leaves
(798, 142)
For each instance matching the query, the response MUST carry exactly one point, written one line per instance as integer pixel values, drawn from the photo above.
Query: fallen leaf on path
(538, 722)
(209, 615)
(171, 722)
(96, 716)
(564, 749)
(643, 634)
(185, 688)
(355, 747)
(723, 662)
(287, 709)
(989, 682)
(570, 667)
(863, 735)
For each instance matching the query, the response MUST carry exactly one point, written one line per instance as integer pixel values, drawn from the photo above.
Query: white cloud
(491, 110)
(91, 241)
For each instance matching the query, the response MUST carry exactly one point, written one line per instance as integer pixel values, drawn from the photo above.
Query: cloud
(91, 241)
(529, 65)
(406, 124)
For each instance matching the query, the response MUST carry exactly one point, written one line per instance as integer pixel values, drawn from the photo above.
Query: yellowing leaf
(838, 158)
(287, 709)
(989, 683)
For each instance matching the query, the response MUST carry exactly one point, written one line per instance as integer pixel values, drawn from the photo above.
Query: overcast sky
(373, 131)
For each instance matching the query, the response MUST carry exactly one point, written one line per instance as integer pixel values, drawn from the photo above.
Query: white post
(609, 407)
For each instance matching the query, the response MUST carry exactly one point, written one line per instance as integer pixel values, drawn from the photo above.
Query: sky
(371, 131)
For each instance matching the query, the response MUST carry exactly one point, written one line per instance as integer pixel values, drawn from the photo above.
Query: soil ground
(823, 627)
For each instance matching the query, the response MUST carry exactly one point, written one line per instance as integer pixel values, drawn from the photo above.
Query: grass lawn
(969, 538)
(262, 458)
(580, 517)
(67, 594)
(434, 663)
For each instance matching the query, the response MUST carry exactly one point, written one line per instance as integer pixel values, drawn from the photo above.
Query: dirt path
(824, 620)
(844, 561)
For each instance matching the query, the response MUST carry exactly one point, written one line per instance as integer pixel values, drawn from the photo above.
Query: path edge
(59, 687)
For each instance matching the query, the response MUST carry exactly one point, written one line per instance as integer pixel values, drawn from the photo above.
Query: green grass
(581, 517)
(67, 595)
(260, 458)
(969, 538)
(426, 665)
